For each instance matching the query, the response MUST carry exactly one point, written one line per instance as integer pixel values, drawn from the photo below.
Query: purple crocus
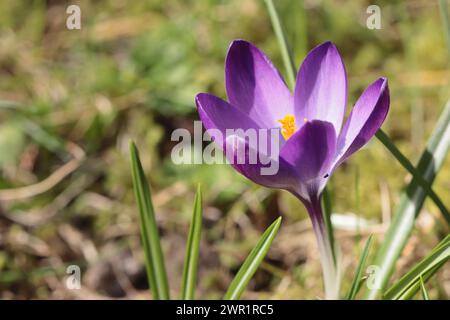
(312, 142)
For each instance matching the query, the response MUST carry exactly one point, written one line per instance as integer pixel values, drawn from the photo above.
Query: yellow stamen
(305, 119)
(287, 126)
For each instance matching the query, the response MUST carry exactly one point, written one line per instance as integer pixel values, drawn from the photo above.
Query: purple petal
(220, 115)
(216, 113)
(366, 118)
(321, 88)
(282, 177)
(311, 152)
(254, 85)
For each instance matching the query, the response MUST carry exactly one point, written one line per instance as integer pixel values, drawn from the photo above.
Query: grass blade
(411, 202)
(154, 260)
(327, 210)
(252, 262)
(282, 42)
(414, 287)
(409, 284)
(424, 291)
(356, 283)
(192, 250)
(383, 137)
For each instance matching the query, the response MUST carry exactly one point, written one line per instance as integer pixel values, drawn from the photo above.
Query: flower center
(287, 126)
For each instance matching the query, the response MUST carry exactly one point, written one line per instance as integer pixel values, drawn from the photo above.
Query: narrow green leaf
(282, 42)
(424, 290)
(411, 202)
(252, 262)
(356, 283)
(300, 31)
(383, 137)
(408, 285)
(410, 291)
(154, 260)
(192, 250)
(327, 210)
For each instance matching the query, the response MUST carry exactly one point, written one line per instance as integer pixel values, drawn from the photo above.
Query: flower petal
(275, 172)
(311, 152)
(254, 85)
(239, 147)
(321, 88)
(366, 118)
(216, 113)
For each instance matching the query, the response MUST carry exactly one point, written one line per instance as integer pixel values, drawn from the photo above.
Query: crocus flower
(312, 142)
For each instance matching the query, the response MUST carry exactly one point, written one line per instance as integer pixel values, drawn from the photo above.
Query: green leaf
(409, 284)
(282, 42)
(252, 262)
(192, 250)
(424, 291)
(411, 202)
(327, 210)
(154, 260)
(383, 137)
(356, 283)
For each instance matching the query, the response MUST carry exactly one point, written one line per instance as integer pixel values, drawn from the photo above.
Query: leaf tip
(132, 145)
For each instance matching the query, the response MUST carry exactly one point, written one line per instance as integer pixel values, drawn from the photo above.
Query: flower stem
(330, 271)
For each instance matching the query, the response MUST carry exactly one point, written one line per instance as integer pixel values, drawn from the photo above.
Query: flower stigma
(287, 126)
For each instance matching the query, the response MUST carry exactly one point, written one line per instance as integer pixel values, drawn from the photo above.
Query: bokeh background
(72, 99)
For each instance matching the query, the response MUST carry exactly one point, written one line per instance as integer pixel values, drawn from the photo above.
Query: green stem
(281, 36)
(330, 271)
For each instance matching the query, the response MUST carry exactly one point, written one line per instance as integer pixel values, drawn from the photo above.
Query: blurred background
(70, 101)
